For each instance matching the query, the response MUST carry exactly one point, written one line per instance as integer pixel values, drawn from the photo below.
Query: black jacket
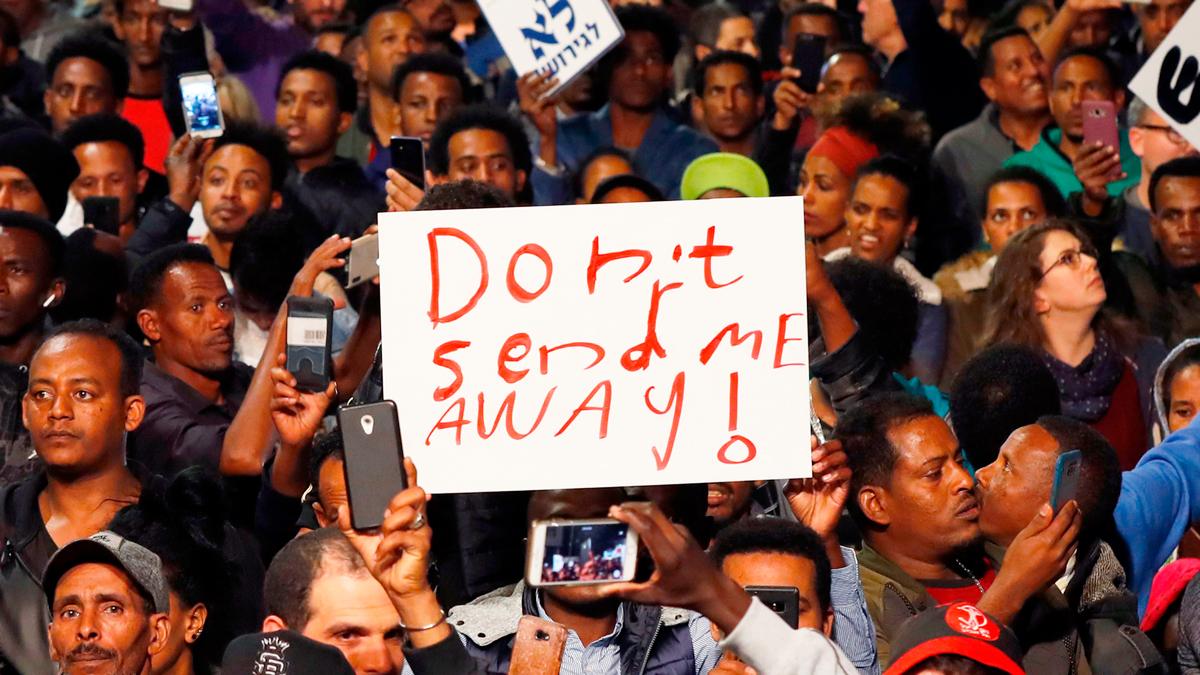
(27, 548)
(338, 196)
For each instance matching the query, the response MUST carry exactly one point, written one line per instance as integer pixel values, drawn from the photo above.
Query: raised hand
(185, 168)
(1037, 557)
(323, 259)
(402, 195)
(297, 414)
(789, 99)
(535, 104)
(818, 501)
(1096, 165)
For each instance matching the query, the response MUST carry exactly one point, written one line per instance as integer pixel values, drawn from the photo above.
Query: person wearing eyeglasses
(1156, 143)
(1047, 293)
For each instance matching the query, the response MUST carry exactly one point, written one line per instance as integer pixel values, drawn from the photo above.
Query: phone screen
(309, 322)
(102, 213)
(408, 158)
(578, 552)
(201, 105)
(808, 55)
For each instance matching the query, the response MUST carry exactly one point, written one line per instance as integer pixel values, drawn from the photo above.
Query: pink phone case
(1100, 124)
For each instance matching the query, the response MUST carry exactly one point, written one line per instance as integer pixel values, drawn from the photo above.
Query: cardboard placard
(1168, 81)
(598, 345)
(560, 37)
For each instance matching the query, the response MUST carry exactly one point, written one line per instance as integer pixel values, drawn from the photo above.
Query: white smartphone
(580, 552)
(201, 106)
(177, 5)
(362, 264)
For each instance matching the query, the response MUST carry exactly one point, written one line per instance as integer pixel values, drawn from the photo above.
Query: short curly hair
(265, 141)
(338, 70)
(106, 127)
(883, 304)
(479, 116)
(90, 45)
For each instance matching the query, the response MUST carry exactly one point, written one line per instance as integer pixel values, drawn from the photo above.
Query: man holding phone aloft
(1081, 76)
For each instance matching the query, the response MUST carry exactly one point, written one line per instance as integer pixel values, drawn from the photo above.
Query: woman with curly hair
(864, 127)
(1047, 293)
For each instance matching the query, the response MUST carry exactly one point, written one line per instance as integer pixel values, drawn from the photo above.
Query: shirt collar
(617, 627)
(185, 394)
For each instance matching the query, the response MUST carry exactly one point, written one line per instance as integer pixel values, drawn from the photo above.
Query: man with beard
(729, 101)
(914, 503)
(1015, 78)
(1081, 75)
(435, 17)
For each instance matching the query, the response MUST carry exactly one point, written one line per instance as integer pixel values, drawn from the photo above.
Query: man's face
(352, 612)
(425, 100)
(641, 75)
(140, 27)
(1011, 207)
(729, 501)
(1157, 18)
(80, 87)
(314, 14)
(928, 504)
(1013, 488)
(26, 279)
(391, 37)
(878, 218)
(879, 20)
(74, 409)
(1176, 222)
(737, 35)
(1157, 143)
(307, 112)
(99, 624)
(954, 17)
(1034, 19)
(18, 193)
(1078, 79)
(1020, 76)
(484, 155)
(845, 74)
(435, 16)
(731, 107)
(106, 169)
(236, 186)
(1093, 29)
(191, 321)
(782, 569)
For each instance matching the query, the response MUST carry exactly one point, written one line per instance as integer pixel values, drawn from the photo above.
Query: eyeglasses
(1071, 259)
(1172, 135)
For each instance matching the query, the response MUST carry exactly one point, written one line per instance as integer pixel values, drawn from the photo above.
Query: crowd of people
(991, 290)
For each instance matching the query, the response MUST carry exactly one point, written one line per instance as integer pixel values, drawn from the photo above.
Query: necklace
(970, 576)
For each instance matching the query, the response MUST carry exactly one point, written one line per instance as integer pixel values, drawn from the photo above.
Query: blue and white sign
(1170, 81)
(560, 37)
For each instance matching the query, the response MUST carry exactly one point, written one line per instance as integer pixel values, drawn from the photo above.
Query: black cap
(626, 180)
(50, 166)
(285, 652)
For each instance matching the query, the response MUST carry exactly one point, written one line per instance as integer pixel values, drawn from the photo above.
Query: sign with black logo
(1168, 81)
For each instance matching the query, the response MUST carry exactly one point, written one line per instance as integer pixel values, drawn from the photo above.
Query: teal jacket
(1048, 159)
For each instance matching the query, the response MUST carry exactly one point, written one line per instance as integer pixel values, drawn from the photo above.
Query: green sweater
(1048, 159)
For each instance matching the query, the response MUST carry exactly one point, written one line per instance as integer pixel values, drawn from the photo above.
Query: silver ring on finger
(418, 522)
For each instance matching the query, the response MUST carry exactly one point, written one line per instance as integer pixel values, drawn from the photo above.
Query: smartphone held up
(374, 463)
(201, 105)
(580, 552)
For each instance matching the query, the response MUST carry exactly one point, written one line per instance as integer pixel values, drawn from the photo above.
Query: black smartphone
(408, 158)
(374, 460)
(102, 213)
(309, 341)
(783, 600)
(808, 55)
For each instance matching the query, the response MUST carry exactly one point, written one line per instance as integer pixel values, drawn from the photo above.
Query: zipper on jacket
(650, 647)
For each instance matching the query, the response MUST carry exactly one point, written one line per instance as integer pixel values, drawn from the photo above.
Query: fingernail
(1045, 510)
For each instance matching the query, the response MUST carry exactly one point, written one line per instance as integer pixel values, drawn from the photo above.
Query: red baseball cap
(960, 628)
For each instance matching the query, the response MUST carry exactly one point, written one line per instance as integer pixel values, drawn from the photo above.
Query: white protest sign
(605, 345)
(1167, 83)
(559, 37)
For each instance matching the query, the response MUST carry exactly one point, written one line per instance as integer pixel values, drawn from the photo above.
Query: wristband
(418, 629)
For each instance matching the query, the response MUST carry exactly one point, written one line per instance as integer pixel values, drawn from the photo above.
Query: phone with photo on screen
(201, 105)
(310, 341)
(580, 552)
